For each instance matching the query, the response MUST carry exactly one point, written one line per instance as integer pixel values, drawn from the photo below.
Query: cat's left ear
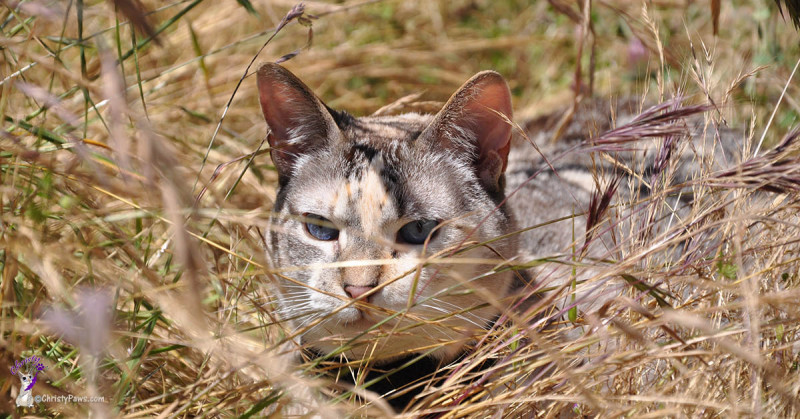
(477, 120)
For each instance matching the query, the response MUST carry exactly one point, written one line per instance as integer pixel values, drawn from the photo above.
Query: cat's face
(25, 379)
(364, 201)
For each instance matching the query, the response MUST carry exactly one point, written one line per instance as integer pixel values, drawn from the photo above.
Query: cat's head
(362, 203)
(25, 378)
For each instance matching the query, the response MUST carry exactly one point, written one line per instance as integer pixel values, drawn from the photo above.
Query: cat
(363, 204)
(25, 398)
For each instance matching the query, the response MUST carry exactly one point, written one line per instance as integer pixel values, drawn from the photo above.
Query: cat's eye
(320, 228)
(416, 232)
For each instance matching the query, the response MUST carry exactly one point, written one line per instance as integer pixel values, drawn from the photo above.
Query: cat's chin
(369, 335)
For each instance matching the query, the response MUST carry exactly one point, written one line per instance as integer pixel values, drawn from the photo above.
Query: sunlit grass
(112, 130)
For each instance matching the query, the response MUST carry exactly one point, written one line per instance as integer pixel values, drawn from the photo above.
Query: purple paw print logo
(27, 371)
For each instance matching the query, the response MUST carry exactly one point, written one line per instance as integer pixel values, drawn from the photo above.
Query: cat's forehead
(377, 171)
(380, 143)
(385, 143)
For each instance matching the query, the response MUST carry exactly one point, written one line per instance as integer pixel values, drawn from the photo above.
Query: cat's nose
(355, 291)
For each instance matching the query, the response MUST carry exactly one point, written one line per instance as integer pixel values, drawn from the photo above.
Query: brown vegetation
(136, 184)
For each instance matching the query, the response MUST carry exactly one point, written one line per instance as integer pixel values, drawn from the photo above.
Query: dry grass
(132, 285)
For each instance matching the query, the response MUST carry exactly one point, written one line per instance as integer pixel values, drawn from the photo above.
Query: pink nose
(355, 292)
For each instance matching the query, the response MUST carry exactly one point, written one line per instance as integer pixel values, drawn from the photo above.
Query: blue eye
(320, 228)
(416, 232)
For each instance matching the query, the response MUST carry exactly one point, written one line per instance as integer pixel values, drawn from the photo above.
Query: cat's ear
(477, 120)
(298, 121)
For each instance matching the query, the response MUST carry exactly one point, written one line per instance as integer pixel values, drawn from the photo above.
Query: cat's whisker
(304, 326)
(299, 308)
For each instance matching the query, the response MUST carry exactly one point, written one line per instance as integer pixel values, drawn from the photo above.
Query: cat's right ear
(298, 121)
(476, 121)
